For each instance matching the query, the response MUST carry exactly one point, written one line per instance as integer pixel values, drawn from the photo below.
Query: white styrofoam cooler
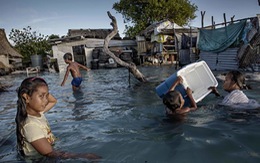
(197, 76)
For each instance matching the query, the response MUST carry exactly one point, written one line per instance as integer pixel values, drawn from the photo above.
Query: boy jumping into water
(73, 68)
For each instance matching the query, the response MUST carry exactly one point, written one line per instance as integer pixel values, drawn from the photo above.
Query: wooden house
(86, 47)
(167, 41)
(9, 57)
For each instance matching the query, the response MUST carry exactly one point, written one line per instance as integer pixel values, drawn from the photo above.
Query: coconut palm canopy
(5, 46)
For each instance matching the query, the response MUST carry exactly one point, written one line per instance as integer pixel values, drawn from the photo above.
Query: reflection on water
(125, 123)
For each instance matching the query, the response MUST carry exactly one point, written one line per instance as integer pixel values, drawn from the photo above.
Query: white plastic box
(197, 76)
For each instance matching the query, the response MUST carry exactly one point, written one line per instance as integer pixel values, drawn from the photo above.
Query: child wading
(234, 84)
(174, 101)
(73, 68)
(34, 135)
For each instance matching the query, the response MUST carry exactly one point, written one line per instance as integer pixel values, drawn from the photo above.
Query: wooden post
(232, 19)
(177, 60)
(190, 43)
(225, 21)
(202, 18)
(235, 21)
(212, 22)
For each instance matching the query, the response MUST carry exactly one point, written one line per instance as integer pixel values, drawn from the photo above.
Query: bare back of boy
(74, 69)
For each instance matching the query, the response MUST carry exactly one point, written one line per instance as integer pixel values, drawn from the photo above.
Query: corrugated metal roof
(210, 59)
(226, 60)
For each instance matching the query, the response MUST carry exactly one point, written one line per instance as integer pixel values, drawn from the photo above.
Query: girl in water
(34, 135)
(234, 84)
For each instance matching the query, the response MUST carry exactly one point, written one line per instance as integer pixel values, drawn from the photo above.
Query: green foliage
(53, 36)
(28, 42)
(142, 13)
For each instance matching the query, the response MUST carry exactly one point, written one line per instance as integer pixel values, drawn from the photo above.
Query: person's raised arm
(178, 81)
(193, 103)
(52, 101)
(45, 148)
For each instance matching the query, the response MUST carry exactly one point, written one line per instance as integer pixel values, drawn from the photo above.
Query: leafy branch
(28, 42)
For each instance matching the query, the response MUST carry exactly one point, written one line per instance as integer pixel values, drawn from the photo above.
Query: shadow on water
(126, 123)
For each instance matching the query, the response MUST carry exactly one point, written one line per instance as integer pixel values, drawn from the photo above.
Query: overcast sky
(57, 16)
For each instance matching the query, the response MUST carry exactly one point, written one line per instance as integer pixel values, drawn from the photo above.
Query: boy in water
(175, 103)
(73, 68)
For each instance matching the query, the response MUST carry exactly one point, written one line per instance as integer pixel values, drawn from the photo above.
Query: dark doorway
(79, 54)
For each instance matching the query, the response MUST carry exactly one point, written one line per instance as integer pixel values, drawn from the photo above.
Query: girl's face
(228, 84)
(37, 101)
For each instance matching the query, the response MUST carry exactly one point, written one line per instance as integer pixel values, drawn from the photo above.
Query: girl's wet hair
(239, 79)
(28, 86)
(172, 100)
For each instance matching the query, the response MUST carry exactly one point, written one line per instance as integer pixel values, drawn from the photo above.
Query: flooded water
(126, 123)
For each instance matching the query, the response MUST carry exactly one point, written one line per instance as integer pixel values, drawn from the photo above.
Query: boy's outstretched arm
(83, 67)
(65, 77)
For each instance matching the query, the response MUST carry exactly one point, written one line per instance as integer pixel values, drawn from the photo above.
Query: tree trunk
(131, 66)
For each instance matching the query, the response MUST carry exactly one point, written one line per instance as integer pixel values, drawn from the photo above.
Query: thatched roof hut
(5, 46)
(7, 52)
(2, 65)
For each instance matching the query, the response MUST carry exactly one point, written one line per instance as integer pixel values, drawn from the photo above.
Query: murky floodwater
(125, 123)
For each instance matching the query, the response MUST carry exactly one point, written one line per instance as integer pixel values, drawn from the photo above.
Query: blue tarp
(217, 40)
